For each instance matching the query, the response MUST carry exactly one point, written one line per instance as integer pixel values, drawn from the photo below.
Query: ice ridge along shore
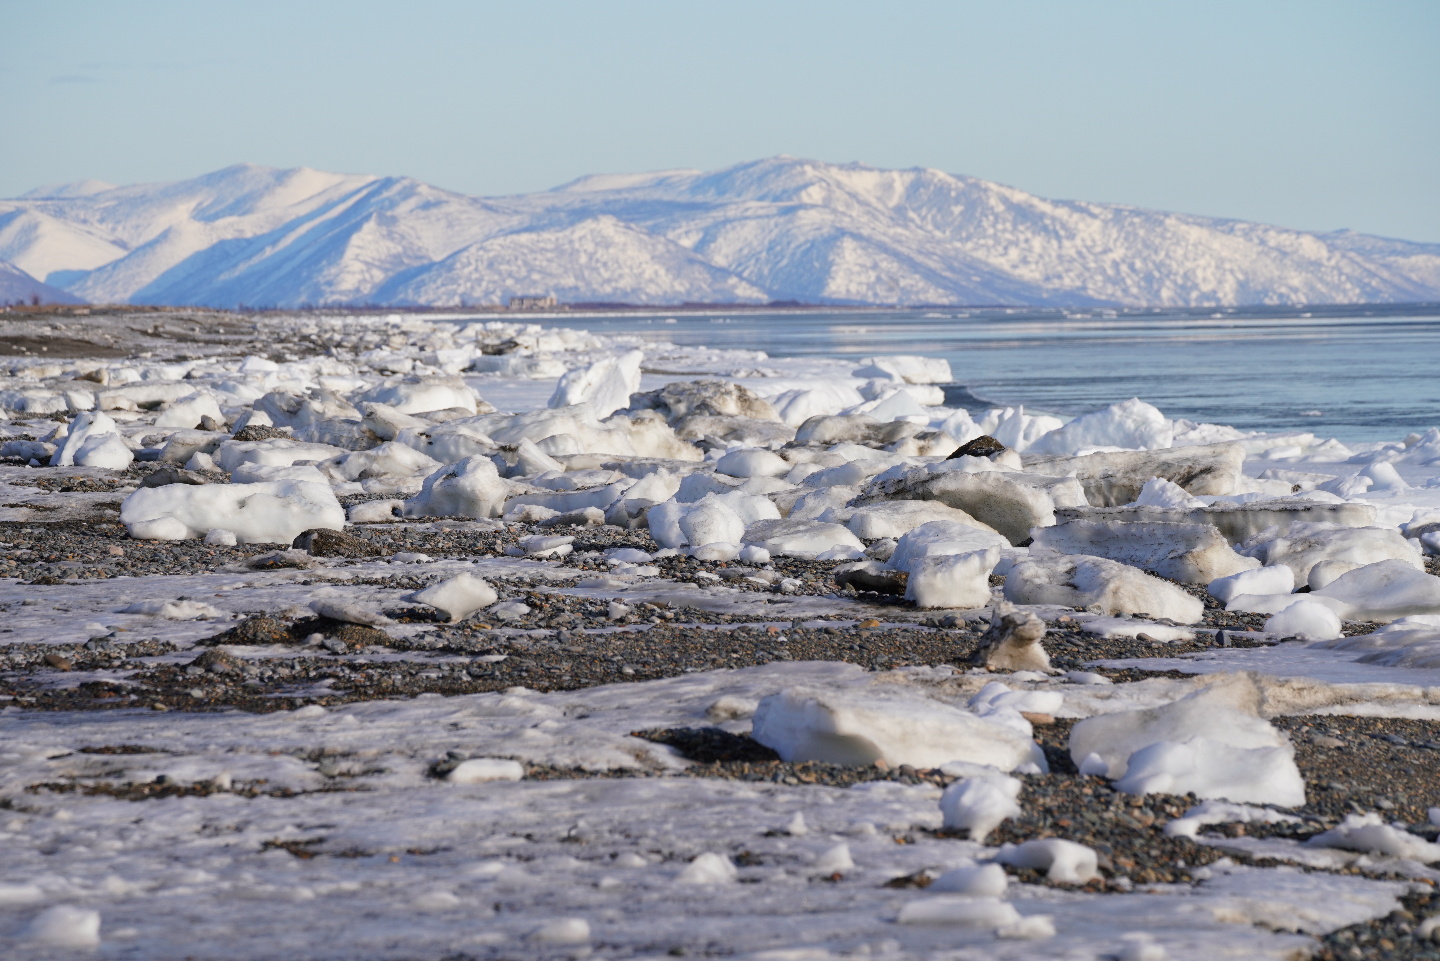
(396, 637)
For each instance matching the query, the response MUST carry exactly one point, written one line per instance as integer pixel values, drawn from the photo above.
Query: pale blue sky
(1313, 114)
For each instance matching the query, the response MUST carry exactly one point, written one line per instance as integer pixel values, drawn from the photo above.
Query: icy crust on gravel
(424, 827)
(406, 865)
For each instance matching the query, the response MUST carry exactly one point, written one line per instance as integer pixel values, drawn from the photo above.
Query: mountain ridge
(779, 228)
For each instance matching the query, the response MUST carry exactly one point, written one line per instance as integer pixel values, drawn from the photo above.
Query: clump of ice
(802, 724)
(65, 926)
(1075, 580)
(960, 911)
(481, 770)
(979, 804)
(1212, 742)
(708, 868)
(1307, 619)
(1369, 833)
(976, 880)
(952, 580)
(471, 487)
(605, 385)
(1064, 862)
(457, 597)
(269, 513)
(1274, 579)
(1128, 425)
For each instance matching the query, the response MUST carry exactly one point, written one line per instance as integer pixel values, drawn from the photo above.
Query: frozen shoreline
(144, 781)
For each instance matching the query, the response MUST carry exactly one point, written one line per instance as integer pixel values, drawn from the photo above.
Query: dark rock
(320, 542)
(982, 446)
(260, 432)
(218, 662)
(166, 476)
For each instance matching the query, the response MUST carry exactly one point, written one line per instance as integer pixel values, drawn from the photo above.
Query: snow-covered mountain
(775, 229)
(18, 287)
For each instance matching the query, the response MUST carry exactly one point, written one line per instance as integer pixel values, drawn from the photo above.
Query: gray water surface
(1356, 373)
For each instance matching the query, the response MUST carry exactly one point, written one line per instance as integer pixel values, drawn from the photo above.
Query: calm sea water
(1358, 374)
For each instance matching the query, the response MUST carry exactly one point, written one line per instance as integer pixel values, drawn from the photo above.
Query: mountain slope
(779, 228)
(18, 287)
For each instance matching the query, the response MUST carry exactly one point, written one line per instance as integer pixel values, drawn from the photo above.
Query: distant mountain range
(775, 229)
(18, 287)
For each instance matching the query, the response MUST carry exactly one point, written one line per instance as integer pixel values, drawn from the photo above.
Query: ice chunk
(375, 512)
(270, 513)
(1096, 583)
(1305, 618)
(960, 911)
(1012, 642)
(1369, 833)
(952, 580)
(1383, 591)
(836, 859)
(908, 368)
(457, 597)
(803, 724)
(276, 452)
(1063, 862)
(1212, 742)
(470, 488)
(795, 407)
(898, 518)
(1275, 579)
(86, 424)
(387, 460)
(1115, 478)
(481, 770)
(187, 412)
(562, 931)
(106, 451)
(752, 463)
(1011, 503)
(1303, 546)
(1159, 492)
(710, 521)
(708, 868)
(65, 926)
(942, 538)
(1131, 425)
(422, 395)
(1407, 642)
(1189, 553)
(979, 804)
(976, 880)
(802, 538)
(605, 385)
